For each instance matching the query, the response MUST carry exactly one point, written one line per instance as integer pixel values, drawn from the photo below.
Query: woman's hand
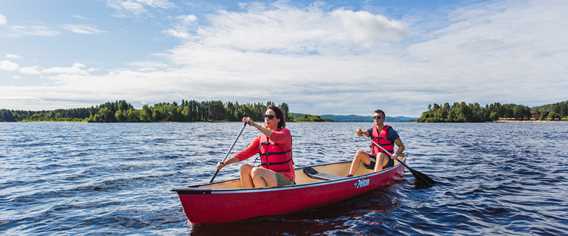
(220, 165)
(248, 120)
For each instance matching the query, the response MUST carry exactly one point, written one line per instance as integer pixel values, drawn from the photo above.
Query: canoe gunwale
(194, 189)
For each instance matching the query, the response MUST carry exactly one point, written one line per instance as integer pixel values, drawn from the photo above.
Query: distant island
(473, 112)
(357, 118)
(345, 118)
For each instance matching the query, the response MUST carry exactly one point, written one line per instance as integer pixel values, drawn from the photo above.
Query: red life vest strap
(267, 157)
(276, 163)
(273, 153)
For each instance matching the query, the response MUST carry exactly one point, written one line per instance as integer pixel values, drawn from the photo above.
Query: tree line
(556, 111)
(474, 112)
(122, 111)
(300, 117)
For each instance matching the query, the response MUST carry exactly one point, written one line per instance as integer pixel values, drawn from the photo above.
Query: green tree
(120, 115)
(6, 115)
(133, 115)
(553, 116)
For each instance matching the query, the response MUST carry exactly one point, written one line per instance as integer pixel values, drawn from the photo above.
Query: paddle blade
(422, 180)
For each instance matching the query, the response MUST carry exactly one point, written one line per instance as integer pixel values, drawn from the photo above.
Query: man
(386, 137)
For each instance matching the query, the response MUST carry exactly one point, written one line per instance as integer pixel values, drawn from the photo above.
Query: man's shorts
(373, 158)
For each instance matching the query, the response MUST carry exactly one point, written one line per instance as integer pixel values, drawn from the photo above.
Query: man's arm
(401, 147)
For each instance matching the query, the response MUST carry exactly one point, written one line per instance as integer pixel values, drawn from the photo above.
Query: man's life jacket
(381, 138)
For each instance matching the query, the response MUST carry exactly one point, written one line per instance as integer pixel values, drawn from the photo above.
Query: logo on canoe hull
(362, 183)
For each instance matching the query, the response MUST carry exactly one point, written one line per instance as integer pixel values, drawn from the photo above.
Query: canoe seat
(313, 173)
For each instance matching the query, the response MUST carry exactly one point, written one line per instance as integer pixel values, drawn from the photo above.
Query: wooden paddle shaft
(229, 152)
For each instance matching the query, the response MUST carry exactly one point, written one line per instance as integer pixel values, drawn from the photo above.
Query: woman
(274, 145)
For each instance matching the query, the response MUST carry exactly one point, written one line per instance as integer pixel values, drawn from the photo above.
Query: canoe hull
(221, 206)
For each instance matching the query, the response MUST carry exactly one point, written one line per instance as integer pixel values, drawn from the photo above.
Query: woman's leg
(263, 178)
(360, 156)
(246, 178)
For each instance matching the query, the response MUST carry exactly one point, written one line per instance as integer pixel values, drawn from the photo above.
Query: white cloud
(30, 70)
(57, 73)
(80, 17)
(3, 20)
(182, 26)
(33, 30)
(505, 51)
(82, 29)
(292, 30)
(342, 61)
(187, 19)
(148, 66)
(8, 66)
(137, 6)
(177, 33)
(75, 69)
(156, 3)
(12, 56)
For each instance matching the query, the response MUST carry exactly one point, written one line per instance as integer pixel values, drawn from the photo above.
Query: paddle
(229, 152)
(422, 180)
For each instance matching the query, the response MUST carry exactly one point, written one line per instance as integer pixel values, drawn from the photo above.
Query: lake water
(76, 178)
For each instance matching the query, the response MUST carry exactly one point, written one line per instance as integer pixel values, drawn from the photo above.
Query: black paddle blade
(422, 180)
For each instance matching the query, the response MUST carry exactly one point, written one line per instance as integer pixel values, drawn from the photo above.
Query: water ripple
(75, 178)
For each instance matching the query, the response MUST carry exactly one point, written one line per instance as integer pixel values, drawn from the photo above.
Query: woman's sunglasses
(377, 117)
(270, 117)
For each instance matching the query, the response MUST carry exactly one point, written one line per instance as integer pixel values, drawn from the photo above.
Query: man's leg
(360, 156)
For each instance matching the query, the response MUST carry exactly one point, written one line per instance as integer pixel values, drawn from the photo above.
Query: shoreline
(528, 121)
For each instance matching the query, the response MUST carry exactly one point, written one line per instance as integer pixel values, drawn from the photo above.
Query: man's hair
(381, 112)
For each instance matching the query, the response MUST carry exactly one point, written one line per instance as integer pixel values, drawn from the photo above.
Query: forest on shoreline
(213, 111)
(474, 112)
(122, 111)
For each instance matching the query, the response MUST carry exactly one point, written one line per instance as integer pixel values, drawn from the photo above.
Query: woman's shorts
(281, 180)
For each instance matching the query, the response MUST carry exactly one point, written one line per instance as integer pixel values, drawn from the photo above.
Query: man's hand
(359, 132)
(397, 155)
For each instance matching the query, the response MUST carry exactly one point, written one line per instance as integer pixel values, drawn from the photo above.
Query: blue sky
(340, 57)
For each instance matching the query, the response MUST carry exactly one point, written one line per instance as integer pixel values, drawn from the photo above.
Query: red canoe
(316, 186)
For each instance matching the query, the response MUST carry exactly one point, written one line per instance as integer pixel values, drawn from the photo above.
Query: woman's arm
(260, 128)
(244, 154)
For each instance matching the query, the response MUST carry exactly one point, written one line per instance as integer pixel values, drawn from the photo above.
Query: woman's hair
(279, 115)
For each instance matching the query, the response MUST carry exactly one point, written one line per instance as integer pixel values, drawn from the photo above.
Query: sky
(320, 57)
